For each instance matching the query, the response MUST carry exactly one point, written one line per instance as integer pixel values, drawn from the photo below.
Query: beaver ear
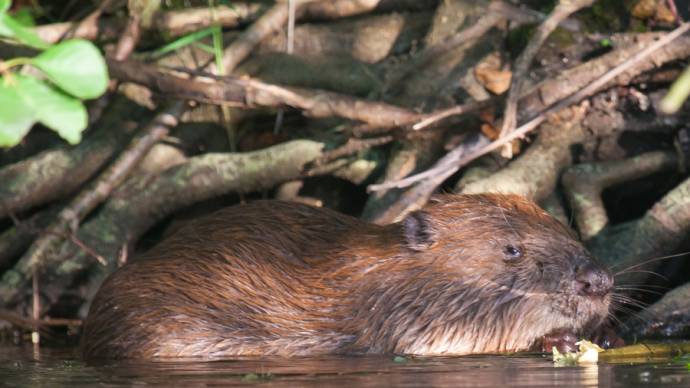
(418, 231)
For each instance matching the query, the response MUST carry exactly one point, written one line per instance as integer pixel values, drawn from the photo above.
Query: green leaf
(76, 66)
(56, 110)
(204, 47)
(4, 30)
(218, 47)
(25, 17)
(16, 115)
(677, 93)
(5, 5)
(12, 29)
(183, 41)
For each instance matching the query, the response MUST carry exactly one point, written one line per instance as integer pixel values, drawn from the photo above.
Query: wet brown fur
(278, 278)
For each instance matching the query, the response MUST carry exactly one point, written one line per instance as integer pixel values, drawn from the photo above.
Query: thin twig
(457, 110)
(289, 48)
(563, 10)
(129, 39)
(30, 323)
(30, 227)
(292, 9)
(240, 49)
(352, 146)
(90, 22)
(140, 17)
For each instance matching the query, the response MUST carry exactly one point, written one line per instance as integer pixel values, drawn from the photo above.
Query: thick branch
(667, 318)
(249, 93)
(584, 184)
(171, 23)
(659, 232)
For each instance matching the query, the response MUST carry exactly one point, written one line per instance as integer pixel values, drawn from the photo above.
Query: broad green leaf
(12, 29)
(16, 115)
(25, 17)
(76, 66)
(4, 30)
(5, 5)
(56, 110)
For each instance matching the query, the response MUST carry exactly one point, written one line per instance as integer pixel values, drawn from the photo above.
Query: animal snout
(592, 280)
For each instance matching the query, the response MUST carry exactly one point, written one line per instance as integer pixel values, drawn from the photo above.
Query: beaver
(466, 274)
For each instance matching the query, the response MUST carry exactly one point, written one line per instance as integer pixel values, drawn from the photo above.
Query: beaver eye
(512, 252)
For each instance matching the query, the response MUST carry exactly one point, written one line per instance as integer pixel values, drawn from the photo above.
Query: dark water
(25, 367)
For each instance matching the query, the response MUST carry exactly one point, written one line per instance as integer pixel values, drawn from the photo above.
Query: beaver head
(479, 273)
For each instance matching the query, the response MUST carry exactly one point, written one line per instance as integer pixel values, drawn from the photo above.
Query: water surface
(22, 366)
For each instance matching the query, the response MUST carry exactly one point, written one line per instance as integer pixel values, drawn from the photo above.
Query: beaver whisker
(620, 302)
(643, 285)
(617, 321)
(638, 305)
(639, 289)
(615, 307)
(651, 260)
(648, 272)
(624, 298)
(503, 214)
(630, 313)
(529, 293)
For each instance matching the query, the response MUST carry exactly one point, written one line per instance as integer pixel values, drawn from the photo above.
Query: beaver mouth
(583, 312)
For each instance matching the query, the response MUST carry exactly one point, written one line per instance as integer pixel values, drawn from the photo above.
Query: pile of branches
(398, 99)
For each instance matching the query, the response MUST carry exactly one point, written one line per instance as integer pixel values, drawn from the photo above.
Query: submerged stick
(646, 350)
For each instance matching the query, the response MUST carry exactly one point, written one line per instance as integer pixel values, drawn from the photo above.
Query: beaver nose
(591, 280)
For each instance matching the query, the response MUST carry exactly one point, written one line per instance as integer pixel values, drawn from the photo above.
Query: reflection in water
(22, 366)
